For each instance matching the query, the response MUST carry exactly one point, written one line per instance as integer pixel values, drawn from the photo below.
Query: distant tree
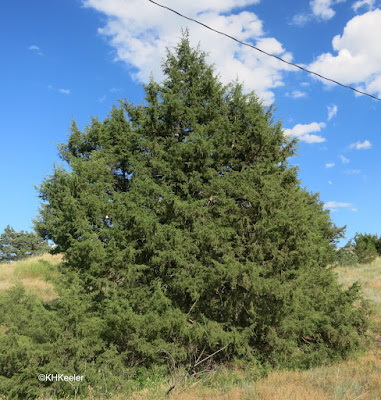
(19, 245)
(191, 232)
(346, 256)
(366, 246)
(378, 246)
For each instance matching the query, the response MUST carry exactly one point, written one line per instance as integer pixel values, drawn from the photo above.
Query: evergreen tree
(366, 246)
(191, 231)
(19, 245)
(346, 256)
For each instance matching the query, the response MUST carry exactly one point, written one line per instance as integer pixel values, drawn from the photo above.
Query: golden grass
(32, 273)
(350, 380)
(369, 275)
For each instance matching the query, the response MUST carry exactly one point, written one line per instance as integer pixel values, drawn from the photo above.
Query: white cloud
(35, 49)
(303, 132)
(140, 32)
(64, 91)
(344, 160)
(323, 8)
(297, 94)
(360, 3)
(352, 171)
(330, 165)
(336, 204)
(365, 145)
(330, 183)
(332, 111)
(300, 19)
(358, 58)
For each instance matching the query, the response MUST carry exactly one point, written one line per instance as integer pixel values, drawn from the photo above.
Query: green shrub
(346, 256)
(365, 246)
(64, 337)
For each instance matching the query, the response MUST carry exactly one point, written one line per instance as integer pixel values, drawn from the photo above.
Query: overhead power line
(264, 52)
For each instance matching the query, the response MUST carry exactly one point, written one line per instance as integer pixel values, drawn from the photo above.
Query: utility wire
(264, 52)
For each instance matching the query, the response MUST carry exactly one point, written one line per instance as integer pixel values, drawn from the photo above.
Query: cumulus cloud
(344, 160)
(365, 145)
(361, 3)
(303, 132)
(141, 32)
(358, 58)
(330, 165)
(323, 8)
(332, 111)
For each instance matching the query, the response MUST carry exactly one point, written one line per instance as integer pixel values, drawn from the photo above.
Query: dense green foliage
(191, 237)
(367, 247)
(19, 245)
(362, 249)
(63, 336)
(185, 222)
(347, 256)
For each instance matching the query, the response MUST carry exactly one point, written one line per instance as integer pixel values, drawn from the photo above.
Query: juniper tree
(19, 245)
(187, 224)
(366, 247)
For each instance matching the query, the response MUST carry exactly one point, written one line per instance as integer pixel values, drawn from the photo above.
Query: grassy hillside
(356, 379)
(370, 277)
(34, 273)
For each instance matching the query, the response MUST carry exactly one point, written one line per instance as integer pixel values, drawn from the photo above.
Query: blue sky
(76, 58)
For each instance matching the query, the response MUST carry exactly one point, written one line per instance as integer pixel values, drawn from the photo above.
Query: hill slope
(34, 273)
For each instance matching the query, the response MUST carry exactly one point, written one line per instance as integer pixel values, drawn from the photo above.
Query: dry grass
(369, 275)
(350, 380)
(33, 274)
